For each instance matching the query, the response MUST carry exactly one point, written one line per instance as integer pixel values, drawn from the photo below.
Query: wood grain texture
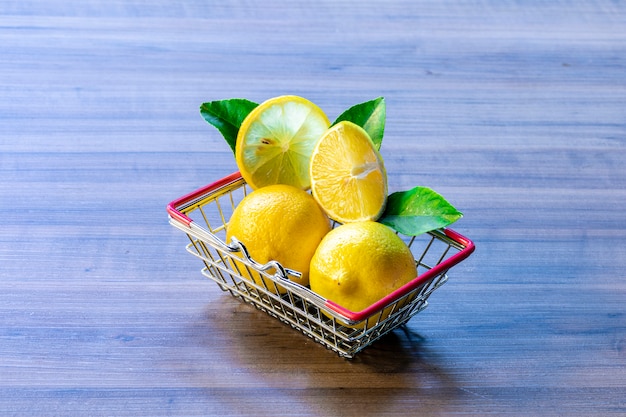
(515, 111)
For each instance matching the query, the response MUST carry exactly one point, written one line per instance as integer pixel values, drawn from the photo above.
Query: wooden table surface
(515, 111)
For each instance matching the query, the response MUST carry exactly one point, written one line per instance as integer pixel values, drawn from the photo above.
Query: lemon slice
(275, 142)
(348, 177)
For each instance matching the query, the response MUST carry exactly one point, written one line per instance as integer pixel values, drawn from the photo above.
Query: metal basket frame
(203, 215)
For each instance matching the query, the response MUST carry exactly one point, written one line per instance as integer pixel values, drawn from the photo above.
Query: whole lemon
(281, 223)
(357, 264)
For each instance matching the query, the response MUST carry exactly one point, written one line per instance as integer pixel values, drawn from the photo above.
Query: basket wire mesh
(203, 216)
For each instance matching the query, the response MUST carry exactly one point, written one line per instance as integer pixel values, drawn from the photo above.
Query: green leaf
(370, 115)
(227, 116)
(418, 211)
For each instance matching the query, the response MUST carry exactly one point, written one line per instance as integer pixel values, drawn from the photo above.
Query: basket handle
(281, 275)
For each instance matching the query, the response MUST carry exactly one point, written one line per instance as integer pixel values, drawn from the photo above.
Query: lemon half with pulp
(276, 139)
(348, 176)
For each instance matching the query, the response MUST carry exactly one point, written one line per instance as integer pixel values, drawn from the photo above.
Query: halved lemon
(275, 142)
(348, 177)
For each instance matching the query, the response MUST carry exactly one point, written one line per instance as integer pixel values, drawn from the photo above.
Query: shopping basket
(203, 215)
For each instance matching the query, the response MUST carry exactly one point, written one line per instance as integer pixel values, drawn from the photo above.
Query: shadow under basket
(203, 215)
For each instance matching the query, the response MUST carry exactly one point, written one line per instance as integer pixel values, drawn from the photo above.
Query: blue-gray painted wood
(515, 111)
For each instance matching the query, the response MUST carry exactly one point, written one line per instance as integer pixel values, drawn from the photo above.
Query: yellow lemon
(275, 141)
(281, 223)
(357, 264)
(348, 177)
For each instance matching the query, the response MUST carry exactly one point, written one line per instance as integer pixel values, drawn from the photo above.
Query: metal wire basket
(203, 215)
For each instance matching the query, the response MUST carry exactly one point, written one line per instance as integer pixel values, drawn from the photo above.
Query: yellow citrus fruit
(281, 223)
(348, 177)
(357, 264)
(275, 141)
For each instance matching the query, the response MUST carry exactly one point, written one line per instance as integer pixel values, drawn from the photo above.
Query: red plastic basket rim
(172, 208)
(353, 316)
